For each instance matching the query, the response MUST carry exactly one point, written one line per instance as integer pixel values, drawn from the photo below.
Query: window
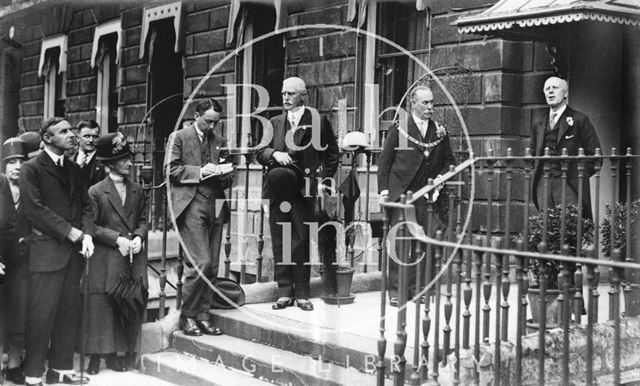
(105, 56)
(53, 67)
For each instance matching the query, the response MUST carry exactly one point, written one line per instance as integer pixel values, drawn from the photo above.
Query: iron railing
(460, 334)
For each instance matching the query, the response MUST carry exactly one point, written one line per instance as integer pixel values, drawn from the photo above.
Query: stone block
(197, 22)
(216, 57)
(339, 45)
(131, 18)
(213, 85)
(79, 36)
(501, 87)
(482, 55)
(74, 54)
(347, 70)
(326, 15)
(30, 108)
(31, 93)
(133, 113)
(30, 64)
(498, 186)
(134, 74)
(200, 5)
(464, 89)
(442, 32)
(129, 56)
(79, 70)
(31, 48)
(328, 96)
(494, 120)
(132, 37)
(207, 42)
(132, 94)
(30, 123)
(303, 50)
(219, 17)
(30, 79)
(196, 65)
(78, 103)
(532, 85)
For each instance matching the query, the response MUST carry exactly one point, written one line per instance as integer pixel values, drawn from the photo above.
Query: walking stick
(85, 310)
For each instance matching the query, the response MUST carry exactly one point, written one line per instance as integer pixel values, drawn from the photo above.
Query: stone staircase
(261, 348)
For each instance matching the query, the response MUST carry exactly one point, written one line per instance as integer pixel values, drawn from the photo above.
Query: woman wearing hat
(120, 217)
(14, 255)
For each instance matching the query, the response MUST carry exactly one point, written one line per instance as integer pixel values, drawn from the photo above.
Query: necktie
(82, 159)
(552, 120)
(59, 162)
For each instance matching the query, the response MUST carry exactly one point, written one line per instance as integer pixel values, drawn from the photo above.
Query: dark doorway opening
(165, 94)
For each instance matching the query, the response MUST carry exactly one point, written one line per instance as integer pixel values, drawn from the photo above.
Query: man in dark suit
(410, 156)
(198, 174)
(302, 150)
(562, 127)
(57, 207)
(92, 168)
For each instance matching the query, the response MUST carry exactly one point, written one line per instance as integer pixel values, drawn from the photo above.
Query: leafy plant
(620, 230)
(553, 238)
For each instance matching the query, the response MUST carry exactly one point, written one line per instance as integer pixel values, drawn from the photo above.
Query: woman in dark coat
(120, 217)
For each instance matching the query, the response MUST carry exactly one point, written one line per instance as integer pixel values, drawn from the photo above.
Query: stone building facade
(138, 67)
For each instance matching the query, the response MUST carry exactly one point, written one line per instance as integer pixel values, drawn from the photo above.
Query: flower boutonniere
(441, 132)
(570, 121)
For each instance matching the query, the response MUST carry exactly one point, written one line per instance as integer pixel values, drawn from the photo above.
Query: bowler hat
(229, 288)
(282, 182)
(32, 142)
(13, 148)
(111, 147)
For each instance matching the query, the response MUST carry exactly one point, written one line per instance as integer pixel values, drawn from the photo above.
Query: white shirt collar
(54, 156)
(558, 112)
(116, 178)
(87, 156)
(296, 115)
(421, 123)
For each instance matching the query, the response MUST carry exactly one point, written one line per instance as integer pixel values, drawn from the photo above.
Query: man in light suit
(57, 207)
(562, 127)
(410, 157)
(198, 181)
(302, 149)
(92, 169)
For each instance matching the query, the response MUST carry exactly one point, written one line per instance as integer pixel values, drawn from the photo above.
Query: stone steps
(185, 370)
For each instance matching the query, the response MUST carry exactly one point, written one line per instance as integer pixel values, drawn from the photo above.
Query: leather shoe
(68, 379)
(115, 363)
(94, 365)
(208, 329)
(15, 375)
(304, 304)
(189, 326)
(282, 303)
(393, 301)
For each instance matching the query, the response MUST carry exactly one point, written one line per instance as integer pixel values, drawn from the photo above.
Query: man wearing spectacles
(198, 175)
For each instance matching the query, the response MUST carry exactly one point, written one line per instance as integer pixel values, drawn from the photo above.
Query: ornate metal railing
(460, 334)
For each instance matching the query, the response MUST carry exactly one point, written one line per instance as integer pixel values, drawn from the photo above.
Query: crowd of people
(73, 224)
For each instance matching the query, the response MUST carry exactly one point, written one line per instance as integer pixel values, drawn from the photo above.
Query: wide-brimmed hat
(13, 148)
(232, 290)
(32, 142)
(282, 182)
(111, 147)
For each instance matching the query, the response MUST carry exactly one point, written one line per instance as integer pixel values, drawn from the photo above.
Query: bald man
(302, 151)
(562, 127)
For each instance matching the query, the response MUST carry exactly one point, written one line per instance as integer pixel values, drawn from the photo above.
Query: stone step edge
(185, 370)
(270, 363)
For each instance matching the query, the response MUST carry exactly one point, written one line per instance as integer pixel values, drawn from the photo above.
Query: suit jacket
(401, 157)
(310, 161)
(574, 131)
(93, 172)
(8, 218)
(54, 200)
(112, 219)
(185, 160)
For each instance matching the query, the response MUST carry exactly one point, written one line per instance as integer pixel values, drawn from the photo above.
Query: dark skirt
(104, 333)
(16, 283)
